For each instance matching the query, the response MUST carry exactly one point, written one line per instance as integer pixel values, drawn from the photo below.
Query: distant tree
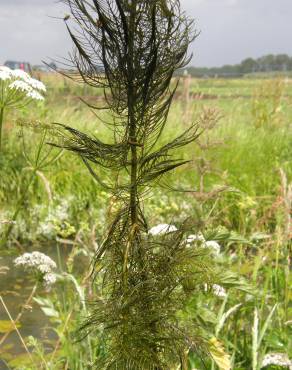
(266, 63)
(282, 62)
(248, 65)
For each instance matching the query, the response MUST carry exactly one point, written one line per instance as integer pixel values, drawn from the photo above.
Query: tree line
(267, 63)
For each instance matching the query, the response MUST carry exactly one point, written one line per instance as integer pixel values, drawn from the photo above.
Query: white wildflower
(21, 81)
(20, 74)
(35, 259)
(211, 244)
(5, 75)
(278, 359)
(214, 246)
(50, 279)
(219, 291)
(20, 85)
(44, 269)
(162, 229)
(4, 68)
(36, 84)
(195, 238)
(40, 263)
(34, 95)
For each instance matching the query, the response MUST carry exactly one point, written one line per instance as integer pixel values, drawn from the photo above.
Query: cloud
(231, 30)
(29, 33)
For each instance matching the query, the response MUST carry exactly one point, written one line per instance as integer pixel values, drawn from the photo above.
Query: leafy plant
(43, 157)
(17, 89)
(131, 49)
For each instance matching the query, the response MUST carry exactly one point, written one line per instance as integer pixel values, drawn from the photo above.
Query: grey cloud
(231, 30)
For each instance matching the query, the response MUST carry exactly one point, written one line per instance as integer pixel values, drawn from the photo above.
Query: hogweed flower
(49, 279)
(277, 359)
(20, 86)
(38, 263)
(17, 89)
(5, 75)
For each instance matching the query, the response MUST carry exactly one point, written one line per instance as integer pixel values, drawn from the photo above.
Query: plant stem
(1, 124)
(132, 120)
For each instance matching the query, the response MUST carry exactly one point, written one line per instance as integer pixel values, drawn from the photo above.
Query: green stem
(132, 119)
(1, 124)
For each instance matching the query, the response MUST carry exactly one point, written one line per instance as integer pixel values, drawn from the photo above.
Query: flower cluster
(212, 245)
(39, 263)
(162, 229)
(219, 291)
(18, 88)
(277, 359)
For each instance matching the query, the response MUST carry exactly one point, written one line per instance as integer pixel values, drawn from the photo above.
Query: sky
(230, 30)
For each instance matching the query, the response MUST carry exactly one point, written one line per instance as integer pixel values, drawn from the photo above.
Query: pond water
(15, 288)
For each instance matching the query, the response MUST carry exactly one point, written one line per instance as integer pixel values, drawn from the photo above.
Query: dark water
(15, 288)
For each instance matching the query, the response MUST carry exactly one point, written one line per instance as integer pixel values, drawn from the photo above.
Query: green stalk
(1, 124)
(132, 120)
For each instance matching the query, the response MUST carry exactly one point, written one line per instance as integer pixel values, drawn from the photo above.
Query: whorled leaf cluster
(130, 49)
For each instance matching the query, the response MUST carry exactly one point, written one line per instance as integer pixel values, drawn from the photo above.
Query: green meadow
(237, 185)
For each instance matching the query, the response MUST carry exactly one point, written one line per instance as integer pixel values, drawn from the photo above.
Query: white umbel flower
(214, 246)
(5, 75)
(36, 84)
(50, 279)
(162, 229)
(35, 95)
(20, 85)
(18, 88)
(195, 238)
(219, 291)
(277, 359)
(4, 68)
(39, 263)
(20, 74)
(35, 259)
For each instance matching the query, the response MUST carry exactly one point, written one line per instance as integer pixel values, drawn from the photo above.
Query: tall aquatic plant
(130, 49)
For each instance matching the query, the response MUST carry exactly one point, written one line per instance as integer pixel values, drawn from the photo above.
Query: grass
(238, 184)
